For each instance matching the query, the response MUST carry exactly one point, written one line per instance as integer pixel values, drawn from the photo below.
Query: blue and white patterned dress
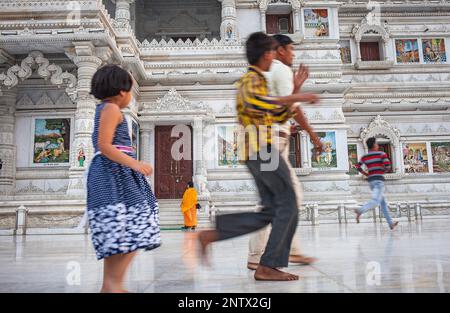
(123, 212)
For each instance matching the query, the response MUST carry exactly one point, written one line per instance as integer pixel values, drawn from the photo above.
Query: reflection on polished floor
(352, 258)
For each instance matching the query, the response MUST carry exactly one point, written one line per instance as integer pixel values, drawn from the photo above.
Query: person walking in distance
(377, 164)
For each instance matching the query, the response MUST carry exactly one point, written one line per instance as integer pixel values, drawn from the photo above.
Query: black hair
(257, 45)
(282, 40)
(371, 142)
(190, 184)
(109, 81)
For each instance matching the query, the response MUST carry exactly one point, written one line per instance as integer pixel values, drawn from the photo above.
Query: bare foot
(302, 259)
(393, 225)
(357, 216)
(272, 274)
(252, 266)
(204, 239)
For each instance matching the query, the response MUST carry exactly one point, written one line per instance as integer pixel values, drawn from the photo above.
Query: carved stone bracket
(45, 70)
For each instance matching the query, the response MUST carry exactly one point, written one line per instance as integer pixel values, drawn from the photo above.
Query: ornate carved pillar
(297, 17)
(7, 144)
(263, 11)
(147, 147)
(228, 28)
(123, 13)
(200, 179)
(304, 150)
(87, 63)
(358, 49)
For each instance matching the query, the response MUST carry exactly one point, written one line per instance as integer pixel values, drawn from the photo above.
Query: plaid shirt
(256, 107)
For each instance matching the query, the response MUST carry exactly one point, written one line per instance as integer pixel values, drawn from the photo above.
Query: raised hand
(300, 77)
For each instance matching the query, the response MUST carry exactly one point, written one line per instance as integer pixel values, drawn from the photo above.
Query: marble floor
(352, 258)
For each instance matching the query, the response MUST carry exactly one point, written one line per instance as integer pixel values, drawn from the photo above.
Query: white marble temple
(352, 258)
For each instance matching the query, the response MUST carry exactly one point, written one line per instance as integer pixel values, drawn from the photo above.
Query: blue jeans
(377, 187)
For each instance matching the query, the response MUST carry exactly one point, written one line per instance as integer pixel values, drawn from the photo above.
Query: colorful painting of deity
(415, 157)
(328, 157)
(434, 50)
(346, 53)
(51, 141)
(441, 156)
(227, 143)
(352, 159)
(317, 23)
(407, 50)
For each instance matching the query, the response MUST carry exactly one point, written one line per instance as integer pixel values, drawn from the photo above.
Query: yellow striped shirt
(256, 108)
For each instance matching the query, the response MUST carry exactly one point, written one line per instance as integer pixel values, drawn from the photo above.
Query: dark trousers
(279, 209)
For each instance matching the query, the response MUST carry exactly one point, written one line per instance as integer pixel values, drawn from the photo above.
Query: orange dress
(189, 207)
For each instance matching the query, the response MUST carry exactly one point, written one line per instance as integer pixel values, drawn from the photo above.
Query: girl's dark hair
(190, 184)
(258, 44)
(109, 81)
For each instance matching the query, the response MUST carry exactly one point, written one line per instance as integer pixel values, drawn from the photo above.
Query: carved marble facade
(47, 61)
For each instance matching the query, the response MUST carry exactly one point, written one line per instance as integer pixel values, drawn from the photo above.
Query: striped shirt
(255, 107)
(377, 163)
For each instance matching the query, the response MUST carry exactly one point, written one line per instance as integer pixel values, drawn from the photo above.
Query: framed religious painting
(346, 53)
(352, 159)
(434, 50)
(441, 156)
(415, 157)
(407, 50)
(317, 23)
(51, 141)
(227, 146)
(328, 158)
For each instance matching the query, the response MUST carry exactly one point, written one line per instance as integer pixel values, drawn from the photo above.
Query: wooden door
(171, 176)
(272, 24)
(370, 51)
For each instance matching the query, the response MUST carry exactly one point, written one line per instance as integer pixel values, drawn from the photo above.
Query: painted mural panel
(352, 159)
(434, 50)
(51, 145)
(441, 156)
(317, 23)
(346, 54)
(407, 50)
(328, 158)
(415, 157)
(227, 143)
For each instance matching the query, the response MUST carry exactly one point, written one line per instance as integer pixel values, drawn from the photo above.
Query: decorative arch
(17, 73)
(359, 31)
(379, 127)
(263, 4)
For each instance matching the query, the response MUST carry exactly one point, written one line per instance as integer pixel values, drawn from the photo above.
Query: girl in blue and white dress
(122, 210)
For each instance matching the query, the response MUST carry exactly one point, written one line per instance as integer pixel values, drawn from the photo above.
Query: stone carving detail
(263, 4)
(411, 130)
(442, 129)
(189, 43)
(367, 29)
(330, 188)
(45, 101)
(379, 126)
(45, 70)
(227, 109)
(25, 101)
(174, 102)
(244, 187)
